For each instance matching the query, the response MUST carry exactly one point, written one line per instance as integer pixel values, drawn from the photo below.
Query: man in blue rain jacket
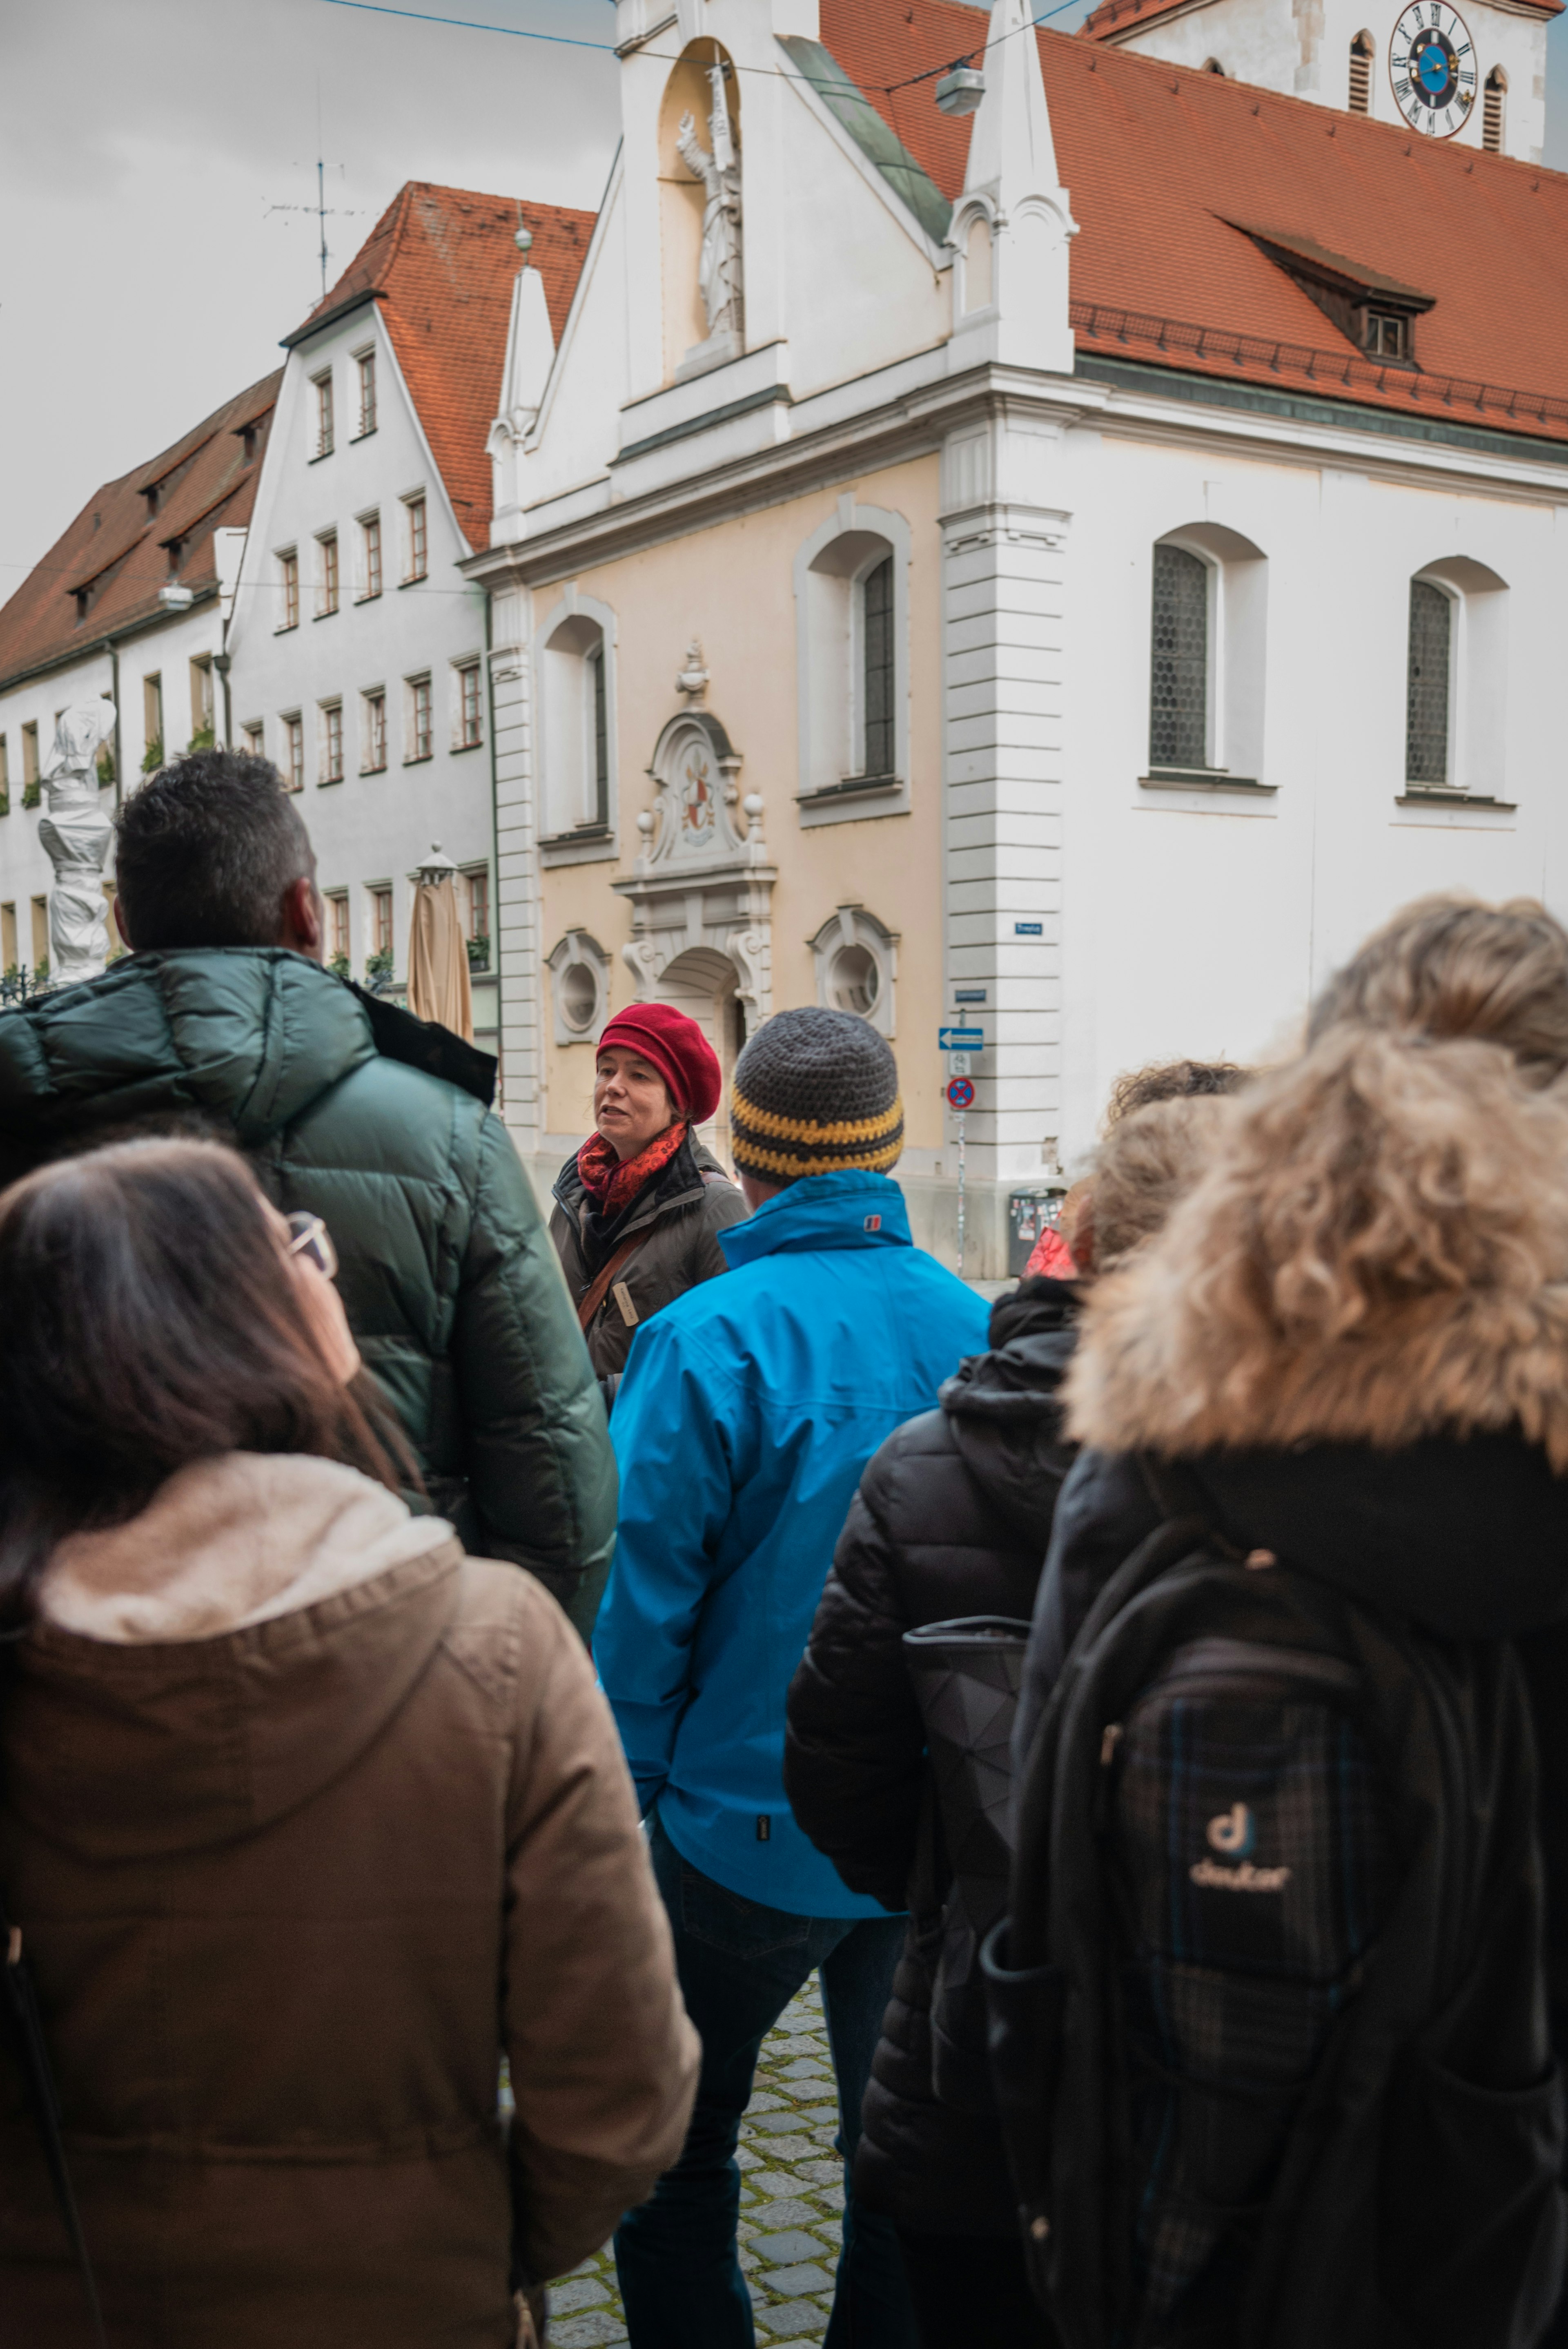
(749, 1409)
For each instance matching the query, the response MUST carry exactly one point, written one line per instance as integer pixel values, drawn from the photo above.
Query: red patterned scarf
(614, 1183)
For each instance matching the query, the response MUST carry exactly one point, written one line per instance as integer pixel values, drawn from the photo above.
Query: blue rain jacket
(749, 1409)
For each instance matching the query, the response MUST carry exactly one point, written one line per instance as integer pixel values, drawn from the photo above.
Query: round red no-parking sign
(961, 1093)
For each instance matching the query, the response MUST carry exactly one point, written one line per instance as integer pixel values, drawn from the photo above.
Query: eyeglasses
(311, 1238)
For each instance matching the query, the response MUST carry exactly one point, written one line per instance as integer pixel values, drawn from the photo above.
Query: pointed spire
(531, 344)
(530, 356)
(1011, 151)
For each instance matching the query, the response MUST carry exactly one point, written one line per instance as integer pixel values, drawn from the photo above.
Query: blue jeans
(740, 1964)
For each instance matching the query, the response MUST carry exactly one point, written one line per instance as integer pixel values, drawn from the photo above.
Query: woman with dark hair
(639, 1208)
(306, 1819)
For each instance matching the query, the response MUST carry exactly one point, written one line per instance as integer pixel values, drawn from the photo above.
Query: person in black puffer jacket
(951, 1518)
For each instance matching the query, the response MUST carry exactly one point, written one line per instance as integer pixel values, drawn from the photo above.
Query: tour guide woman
(638, 1211)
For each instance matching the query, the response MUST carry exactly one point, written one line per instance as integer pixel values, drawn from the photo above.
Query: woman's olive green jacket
(447, 1269)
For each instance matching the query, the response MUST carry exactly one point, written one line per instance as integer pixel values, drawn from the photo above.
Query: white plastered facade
(373, 829)
(1037, 880)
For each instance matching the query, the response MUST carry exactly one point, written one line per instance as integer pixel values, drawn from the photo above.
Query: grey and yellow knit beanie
(815, 1091)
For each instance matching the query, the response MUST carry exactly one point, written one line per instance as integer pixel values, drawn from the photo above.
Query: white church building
(1066, 567)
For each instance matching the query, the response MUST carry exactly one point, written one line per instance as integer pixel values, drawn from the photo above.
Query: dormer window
(151, 495)
(1376, 313)
(1386, 335)
(84, 599)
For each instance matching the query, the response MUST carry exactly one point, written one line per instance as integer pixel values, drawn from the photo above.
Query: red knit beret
(678, 1048)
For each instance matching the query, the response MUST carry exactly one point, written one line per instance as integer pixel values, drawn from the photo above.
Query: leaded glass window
(1179, 668)
(601, 738)
(1426, 699)
(877, 594)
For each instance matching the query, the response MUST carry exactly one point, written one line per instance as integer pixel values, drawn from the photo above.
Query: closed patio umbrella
(438, 952)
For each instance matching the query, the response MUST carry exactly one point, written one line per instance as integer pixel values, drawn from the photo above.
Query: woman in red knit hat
(639, 1208)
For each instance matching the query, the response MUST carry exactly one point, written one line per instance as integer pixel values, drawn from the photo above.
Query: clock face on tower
(1431, 64)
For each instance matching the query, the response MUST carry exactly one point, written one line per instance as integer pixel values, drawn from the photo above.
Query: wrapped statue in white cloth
(76, 831)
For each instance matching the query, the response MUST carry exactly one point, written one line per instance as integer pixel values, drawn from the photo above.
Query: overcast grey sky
(144, 279)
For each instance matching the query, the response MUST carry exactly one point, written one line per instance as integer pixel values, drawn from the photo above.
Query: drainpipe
(221, 663)
(114, 696)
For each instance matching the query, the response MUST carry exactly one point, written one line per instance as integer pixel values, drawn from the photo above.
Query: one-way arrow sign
(961, 1039)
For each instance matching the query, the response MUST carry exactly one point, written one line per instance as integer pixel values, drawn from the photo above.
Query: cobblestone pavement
(791, 2193)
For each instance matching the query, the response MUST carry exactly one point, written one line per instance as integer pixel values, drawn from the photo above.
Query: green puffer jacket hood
(446, 1269)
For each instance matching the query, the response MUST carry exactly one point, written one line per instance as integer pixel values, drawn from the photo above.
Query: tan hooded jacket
(309, 1819)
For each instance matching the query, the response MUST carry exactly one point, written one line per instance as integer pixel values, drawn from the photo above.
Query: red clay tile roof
(441, 264)
(120, 549)
(1160, 158)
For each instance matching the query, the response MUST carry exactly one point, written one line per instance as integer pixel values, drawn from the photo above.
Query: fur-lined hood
(1376, 1253)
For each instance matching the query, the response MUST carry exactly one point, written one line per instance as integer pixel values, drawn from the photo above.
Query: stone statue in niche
(718, 269)
(76, 834)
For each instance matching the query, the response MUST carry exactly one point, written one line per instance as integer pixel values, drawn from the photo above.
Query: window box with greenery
(379, 970)
(339, 964)
(33, 793)
(204, 739)
(152, 758)
(479, 953)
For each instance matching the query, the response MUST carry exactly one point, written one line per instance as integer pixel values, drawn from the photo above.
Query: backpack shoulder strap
(22, 2003)
(595, 1295)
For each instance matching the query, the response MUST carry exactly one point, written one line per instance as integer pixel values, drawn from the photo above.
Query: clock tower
(1474, 74)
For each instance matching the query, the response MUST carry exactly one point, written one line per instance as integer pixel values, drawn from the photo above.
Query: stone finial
(693, 678)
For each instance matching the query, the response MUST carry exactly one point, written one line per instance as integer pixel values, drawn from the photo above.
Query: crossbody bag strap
(22, 2002)
(595, 1297)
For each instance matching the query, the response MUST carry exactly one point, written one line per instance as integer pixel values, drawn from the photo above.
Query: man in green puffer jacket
(222, 1020)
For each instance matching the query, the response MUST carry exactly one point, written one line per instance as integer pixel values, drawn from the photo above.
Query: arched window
(1428, 662)
(1178, 665)
(1212, 65)
(1361, 56)
(853, 630)
(573, 667)
(1207, 656)
(1494, 101)
(1456, 679)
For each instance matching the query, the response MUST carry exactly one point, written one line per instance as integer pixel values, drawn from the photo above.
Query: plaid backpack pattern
(1267, 2014)
(1249, 1856)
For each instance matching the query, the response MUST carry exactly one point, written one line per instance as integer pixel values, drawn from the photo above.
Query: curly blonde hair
(1148, 1160)
(1452, 965)
(1378, 1251)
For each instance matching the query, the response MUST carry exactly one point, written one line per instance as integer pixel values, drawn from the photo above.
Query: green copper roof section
(870, 134)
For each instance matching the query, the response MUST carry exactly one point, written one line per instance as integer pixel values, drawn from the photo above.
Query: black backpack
(1268, 2017)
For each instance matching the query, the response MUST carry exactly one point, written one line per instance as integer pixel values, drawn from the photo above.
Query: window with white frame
(292, 724)
(321, 385)
(476, 907)
(468, 710)
(1456, 679)
(579, 989)
(331, 741)
(337, 930)
(288, 588)
(852, 603)
(416, 551)
(364, 369)
(373, 731)
(576, 725)
(1207, 651)
(202, 729)
(417, 720)
(369, 556)
(855, 957)
(326, 574)
(378, 956)
(254, 737)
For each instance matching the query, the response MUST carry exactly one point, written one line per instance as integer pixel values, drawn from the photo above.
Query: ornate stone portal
(76, 834)
(703, 877)
(719, 273)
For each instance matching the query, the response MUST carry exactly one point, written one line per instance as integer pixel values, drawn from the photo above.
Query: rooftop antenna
(321, 186)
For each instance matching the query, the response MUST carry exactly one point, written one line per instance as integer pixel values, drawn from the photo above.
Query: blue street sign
(961, 1039)
(1028, 929)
